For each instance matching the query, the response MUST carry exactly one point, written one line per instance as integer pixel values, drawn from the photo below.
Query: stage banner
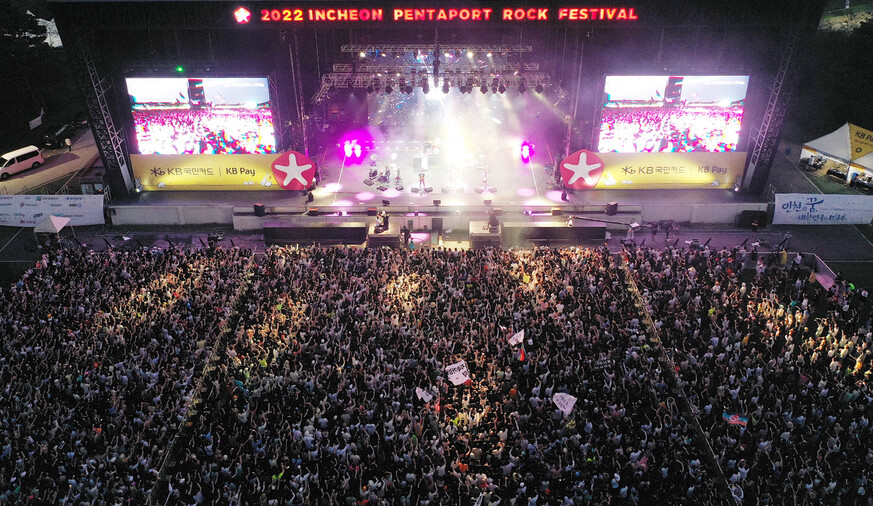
(279, 171)
(651, 171)
(861, 141)
(458, 373)
(565, 402)
(30, 210)
(815, 209)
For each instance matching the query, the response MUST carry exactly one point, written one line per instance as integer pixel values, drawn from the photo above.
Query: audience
(773, 346)
(327, 381)
(663, 129)
(204, 131)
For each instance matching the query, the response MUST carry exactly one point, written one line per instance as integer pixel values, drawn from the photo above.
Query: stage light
(489, 54)
(539, 88)
(393, 156)
(447, 54)
(180, 69)
(469, 54)
(502, 89)
(484, 89)
(526, 151)
(362, 54)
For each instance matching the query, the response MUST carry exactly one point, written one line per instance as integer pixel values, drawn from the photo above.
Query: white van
(16, 161)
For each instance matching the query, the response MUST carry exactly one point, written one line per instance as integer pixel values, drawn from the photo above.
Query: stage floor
(407, 178)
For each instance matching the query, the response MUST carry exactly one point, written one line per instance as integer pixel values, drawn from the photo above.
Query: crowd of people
(101, 353)
(329, 378)
(316, 402)
(790, 359)
(670, 129)
(211, 131)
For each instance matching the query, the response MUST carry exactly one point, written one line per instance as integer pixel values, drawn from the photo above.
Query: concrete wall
(172, 215)
(243, 218)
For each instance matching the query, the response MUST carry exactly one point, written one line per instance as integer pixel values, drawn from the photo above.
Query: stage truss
(377, 76)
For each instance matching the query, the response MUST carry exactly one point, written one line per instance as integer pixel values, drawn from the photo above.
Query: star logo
(242, 15)
(581, 170)
(293, 171)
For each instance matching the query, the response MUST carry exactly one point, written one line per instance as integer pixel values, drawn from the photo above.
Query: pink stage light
(526, 151)
(353, 150)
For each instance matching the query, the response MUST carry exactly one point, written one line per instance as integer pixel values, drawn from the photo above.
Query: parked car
(16, 161)
(55, 135)
(80, 120)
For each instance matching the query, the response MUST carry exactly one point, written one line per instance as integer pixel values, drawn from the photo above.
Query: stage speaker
(746, 218)
(386, 203)
(437, 202)
(260, 210)
(612, 208)
(371, 211)
(488, 202)
(313, 211)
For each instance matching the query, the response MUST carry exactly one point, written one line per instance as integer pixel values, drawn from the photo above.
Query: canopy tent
(51, 225)
(49, 229)
(847, 152)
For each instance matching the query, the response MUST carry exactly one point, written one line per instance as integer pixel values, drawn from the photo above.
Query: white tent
(849, 146)
(51, 225)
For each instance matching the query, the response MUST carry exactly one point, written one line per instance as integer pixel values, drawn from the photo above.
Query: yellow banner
(644, 171)
(204, 172)
(861, 141)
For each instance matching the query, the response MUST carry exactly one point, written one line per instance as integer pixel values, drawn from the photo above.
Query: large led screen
(202, 116)
(672, 114)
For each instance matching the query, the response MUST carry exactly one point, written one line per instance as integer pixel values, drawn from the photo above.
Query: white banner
(565, 402)
(517, 338)
(29, 210)
(814, 209)
(458, 373)
(423, 394)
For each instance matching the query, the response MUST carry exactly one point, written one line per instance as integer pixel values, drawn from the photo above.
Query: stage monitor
(188, 115)
(672, 114)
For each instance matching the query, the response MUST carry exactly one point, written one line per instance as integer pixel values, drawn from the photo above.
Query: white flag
(565, 402)
(517, 338)
(37, 121)
(423, 394)
(458, 373)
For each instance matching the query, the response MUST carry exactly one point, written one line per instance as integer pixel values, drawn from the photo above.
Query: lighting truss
(402, 48)
(463, 67)
(362, 80)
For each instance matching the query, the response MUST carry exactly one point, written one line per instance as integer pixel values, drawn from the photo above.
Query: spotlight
(539, 88)
(489, 54)
(362, 54)
(502, 89)
(484, 89)
(469, 54)
(445, 87)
